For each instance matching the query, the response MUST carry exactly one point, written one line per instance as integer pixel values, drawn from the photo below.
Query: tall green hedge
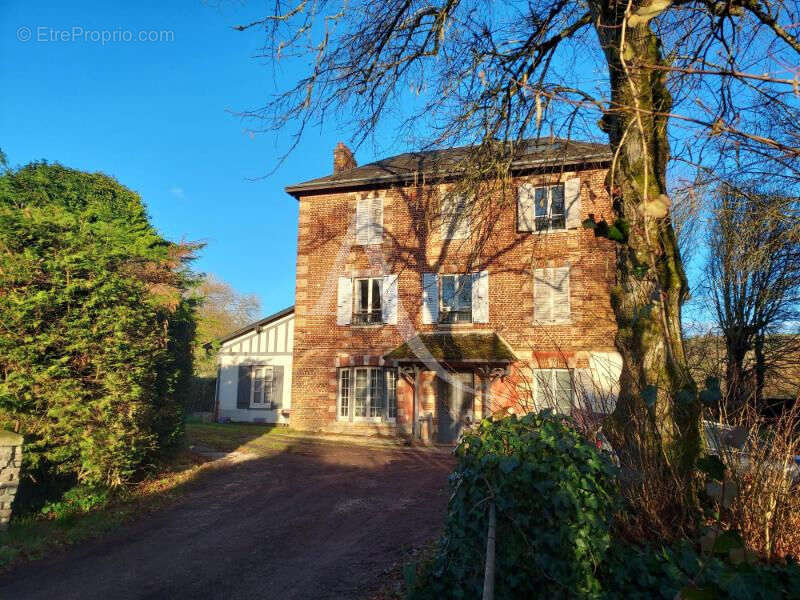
(96, 330)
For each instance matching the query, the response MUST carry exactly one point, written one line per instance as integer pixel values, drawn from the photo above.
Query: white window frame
(443, 312)
(549, 192)
(549, 401)
(267, 378)
(389, 412)
(355, 320)
(340, 414)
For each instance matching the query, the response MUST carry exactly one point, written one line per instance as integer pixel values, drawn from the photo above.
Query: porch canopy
(484, 353)
(453, 350)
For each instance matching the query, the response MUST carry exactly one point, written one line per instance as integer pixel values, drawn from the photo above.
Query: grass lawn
(33, 536)
(242, 437)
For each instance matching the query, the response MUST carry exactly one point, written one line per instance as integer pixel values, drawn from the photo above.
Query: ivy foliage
(681, 572)
(554, 495)
(96, 332)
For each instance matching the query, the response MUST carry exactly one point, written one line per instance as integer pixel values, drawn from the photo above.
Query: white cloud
(177, 192)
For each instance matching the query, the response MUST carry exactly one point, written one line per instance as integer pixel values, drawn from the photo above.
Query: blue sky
(157, 116)
(160, 117)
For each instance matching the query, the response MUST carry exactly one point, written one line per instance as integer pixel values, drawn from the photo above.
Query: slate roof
(448, 347)
(442, 163)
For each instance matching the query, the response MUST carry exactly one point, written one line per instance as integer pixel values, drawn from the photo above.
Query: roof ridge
(444, 162)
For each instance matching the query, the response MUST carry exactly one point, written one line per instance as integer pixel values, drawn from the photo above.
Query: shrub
(679, 571)
(79, 499)
(95, 348)
(762, 499)
(554, 495)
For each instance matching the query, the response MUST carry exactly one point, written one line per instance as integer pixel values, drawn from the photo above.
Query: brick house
(421, 306)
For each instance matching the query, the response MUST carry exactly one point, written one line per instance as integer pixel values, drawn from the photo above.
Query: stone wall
(411, 246)
(10, 463)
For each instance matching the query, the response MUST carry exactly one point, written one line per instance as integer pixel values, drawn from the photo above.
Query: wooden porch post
(485, 383)
(416, 402)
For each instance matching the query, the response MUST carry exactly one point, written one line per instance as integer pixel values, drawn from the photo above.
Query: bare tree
(221, 311)
(693, 72)
(754, 284)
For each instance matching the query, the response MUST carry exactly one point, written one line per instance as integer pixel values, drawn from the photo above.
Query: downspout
(216, 395)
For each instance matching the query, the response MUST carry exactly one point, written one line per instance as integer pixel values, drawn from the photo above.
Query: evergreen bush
(97, 330)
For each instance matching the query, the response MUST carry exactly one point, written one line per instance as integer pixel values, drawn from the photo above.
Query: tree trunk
(735, 378)
(760, 372)
(657, 417)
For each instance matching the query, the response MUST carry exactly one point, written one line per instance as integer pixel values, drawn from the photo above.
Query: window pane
(557, 200)
(540, 202)
(258, 386)
(391, 392)
(557, 218)
(363, 295)
(344, 392)
(375, 393)
(376, 294)
(563, 383)
(448, 291)
(540, 208)
(268, 386)
(465, 292)
(362, 389)
(544, 388)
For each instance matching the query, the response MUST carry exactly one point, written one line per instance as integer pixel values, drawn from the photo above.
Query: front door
(454, 404)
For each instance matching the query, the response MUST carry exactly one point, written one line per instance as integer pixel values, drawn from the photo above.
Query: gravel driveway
(314, 521)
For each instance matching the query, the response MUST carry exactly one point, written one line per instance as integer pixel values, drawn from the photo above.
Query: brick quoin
(411, 246)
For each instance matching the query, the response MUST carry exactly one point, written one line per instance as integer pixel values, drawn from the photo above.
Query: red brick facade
(412, 246)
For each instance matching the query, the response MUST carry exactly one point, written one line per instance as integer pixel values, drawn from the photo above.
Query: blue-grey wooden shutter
(245, 385)
(277, 386)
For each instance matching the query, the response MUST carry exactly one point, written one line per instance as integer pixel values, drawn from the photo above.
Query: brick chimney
(343, 159)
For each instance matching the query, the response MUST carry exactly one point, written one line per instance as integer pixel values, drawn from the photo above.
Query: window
(544, 208)
(455, 299)
(391, 392)
(554, 389)
(369, 220)
(454, 214)
(344, 392)
(367, 301)
(548, 203)
(551, 302)
(367, 393)
(262, 390)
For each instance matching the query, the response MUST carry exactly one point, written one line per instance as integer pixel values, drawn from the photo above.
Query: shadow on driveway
(313, 521)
